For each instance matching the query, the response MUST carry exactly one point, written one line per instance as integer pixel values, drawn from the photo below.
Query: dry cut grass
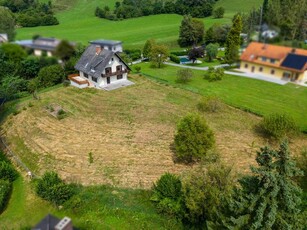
(121, 137)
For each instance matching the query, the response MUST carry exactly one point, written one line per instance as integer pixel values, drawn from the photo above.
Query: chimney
(98, 49)
(64, 224)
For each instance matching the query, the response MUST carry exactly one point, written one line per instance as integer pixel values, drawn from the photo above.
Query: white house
(100, 66)
(3, 38)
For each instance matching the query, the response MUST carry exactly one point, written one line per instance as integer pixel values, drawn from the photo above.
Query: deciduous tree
(158, 55)
(7, 23)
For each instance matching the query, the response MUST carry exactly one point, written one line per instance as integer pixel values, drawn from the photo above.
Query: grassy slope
(79, 24)
(94, 208)
(257, 96)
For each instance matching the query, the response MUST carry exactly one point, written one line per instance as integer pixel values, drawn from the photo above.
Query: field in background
(78, 23)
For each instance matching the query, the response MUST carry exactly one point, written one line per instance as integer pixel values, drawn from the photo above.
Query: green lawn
(256, 96)
(95, 207)
(234, 6)
(78, 23)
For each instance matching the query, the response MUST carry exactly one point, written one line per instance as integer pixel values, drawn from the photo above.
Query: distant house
(3, 38)
(101, 65)
(282, 62)
(51, 222)
(41, 45)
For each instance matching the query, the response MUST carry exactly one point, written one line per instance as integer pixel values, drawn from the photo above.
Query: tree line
(287, 16)
(137, 8)
(31, 13)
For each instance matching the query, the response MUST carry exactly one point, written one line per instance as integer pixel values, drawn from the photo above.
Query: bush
(5, 191)
(50, 187)
(210, 104)
(137, 68)
(7, 171)
(179, 53)
(174, 58)
(193, 138)
(214, 74)
(184, 75)
(51, 75)
(278, 126)
(167, 194)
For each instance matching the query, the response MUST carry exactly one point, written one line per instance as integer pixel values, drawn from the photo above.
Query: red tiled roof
(255, 50)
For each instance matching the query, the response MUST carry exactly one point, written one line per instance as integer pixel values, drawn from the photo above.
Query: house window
(263, 58)
(108, 70)
(246, 66)
(260, 69)
(272, 60)
(85, 75)
(272, 71)
(286, 75)
(119, 68)
(119, 77)
(112, 59)
(94, 79)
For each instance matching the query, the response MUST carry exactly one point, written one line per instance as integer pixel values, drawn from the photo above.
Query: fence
(11, 154)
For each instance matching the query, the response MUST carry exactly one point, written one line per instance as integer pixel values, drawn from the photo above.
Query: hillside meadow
(255, 96)
(78, 23)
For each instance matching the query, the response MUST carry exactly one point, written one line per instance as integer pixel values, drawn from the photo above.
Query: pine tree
(233, 40)
(269, 199)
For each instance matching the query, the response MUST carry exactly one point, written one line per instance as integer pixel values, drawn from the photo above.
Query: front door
(108, 80)
(253, 68)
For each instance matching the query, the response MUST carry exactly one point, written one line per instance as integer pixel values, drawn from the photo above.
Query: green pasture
(95, 207)
(255, 96)
(78, 23)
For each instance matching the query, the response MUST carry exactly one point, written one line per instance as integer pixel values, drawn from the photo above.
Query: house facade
(101, 66)
(282, 62)
(3, 38)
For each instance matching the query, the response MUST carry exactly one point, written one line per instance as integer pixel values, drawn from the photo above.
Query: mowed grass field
(256, 96)
(78, 23)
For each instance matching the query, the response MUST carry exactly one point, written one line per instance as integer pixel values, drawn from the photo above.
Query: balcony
(114, 73)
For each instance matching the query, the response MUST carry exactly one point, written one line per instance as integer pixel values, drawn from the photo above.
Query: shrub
(51, 75)
(5, 191)
(210, 104)
(278, 126)
(50, 187)
(214, 74)
(179, 53)
(174, 58)
(137, 68)
(167, 194)
(66, 83)
(7, 171)
(184, 75)
(193, 138)
(61, 114)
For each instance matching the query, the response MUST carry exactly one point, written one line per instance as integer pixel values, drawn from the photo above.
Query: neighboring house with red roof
(285, 63)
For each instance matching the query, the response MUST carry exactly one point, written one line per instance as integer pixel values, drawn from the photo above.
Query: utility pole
(260, 24)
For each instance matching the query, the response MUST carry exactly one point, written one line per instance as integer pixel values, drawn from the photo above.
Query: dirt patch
(123, 137)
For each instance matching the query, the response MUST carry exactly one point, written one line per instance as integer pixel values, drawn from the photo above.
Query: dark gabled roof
(93, 64)
(46, 39)
(295, 61)
(105, 42)
(40, 47)
(48, 223)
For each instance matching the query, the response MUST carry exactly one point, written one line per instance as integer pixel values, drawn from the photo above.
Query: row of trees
(30, 13)
(137, 8)
(21, 73)
(288, 16)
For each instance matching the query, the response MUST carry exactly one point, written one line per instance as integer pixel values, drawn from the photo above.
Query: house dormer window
(263, 58)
